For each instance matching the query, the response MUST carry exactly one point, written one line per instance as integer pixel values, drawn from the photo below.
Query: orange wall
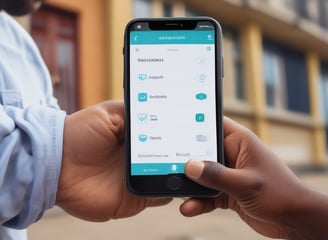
(91, 40)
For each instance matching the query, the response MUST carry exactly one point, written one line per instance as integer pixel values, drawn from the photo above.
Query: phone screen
(173, 97)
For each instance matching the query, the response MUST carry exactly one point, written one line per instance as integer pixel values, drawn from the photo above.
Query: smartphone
(173, 103)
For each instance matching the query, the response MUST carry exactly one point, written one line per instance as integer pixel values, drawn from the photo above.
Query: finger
(115, 116)
(231, 126)
(235, 139)
(193, 207)
(216, 176)
(159, 202)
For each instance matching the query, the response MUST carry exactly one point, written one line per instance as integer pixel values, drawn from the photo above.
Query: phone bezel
(157, 185)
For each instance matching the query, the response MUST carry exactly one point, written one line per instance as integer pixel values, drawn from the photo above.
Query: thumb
(216, 176)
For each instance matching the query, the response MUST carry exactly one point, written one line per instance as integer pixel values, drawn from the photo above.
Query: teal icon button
(142, 77)
(200, 117)
(201, 96)
(142, 97)
(142, 117)
(142, 138)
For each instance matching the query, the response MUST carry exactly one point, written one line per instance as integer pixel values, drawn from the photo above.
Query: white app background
(172, 103)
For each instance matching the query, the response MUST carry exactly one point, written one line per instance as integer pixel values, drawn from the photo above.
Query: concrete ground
(164, 223)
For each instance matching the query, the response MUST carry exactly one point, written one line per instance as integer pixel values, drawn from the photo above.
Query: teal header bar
(142, 169)
(172, 37)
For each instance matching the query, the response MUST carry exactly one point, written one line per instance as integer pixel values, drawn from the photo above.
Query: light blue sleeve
(31, 152)
(12, 234)
(31, 130)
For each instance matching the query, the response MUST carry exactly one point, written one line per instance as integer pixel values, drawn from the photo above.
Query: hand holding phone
(172, 89)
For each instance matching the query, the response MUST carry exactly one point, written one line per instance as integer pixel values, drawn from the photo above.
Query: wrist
(308, 216)
(66, 169)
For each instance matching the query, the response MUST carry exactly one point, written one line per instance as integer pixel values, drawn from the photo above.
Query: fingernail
(195, 168)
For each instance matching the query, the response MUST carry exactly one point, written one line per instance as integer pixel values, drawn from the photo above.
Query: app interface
(172, 96)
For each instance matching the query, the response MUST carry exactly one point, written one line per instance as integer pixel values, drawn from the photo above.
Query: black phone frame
(157, 185)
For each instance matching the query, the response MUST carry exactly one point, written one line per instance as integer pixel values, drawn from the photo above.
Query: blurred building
(275, 56)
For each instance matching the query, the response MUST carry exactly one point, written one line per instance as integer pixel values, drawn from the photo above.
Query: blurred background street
(276, 84)
(164, 223)
(275, 61)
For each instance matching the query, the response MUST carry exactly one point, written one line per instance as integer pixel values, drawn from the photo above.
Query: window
(301, 8)
(324, 94)
(233, 64)
(167, 10)
(323, 19)
(142, 8)
(285, 78)
(192, 13)
(274, 77)
(314, 10)
(55, 33)
(237, 67)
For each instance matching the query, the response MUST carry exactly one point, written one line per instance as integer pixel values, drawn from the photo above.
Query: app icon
(200, 60)
(201, 96)
(202, 78)
(142, 77)
(200, 117)
(201, 138)
(142, 138)
(143, 117)
(174, 168)
(142, 97)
